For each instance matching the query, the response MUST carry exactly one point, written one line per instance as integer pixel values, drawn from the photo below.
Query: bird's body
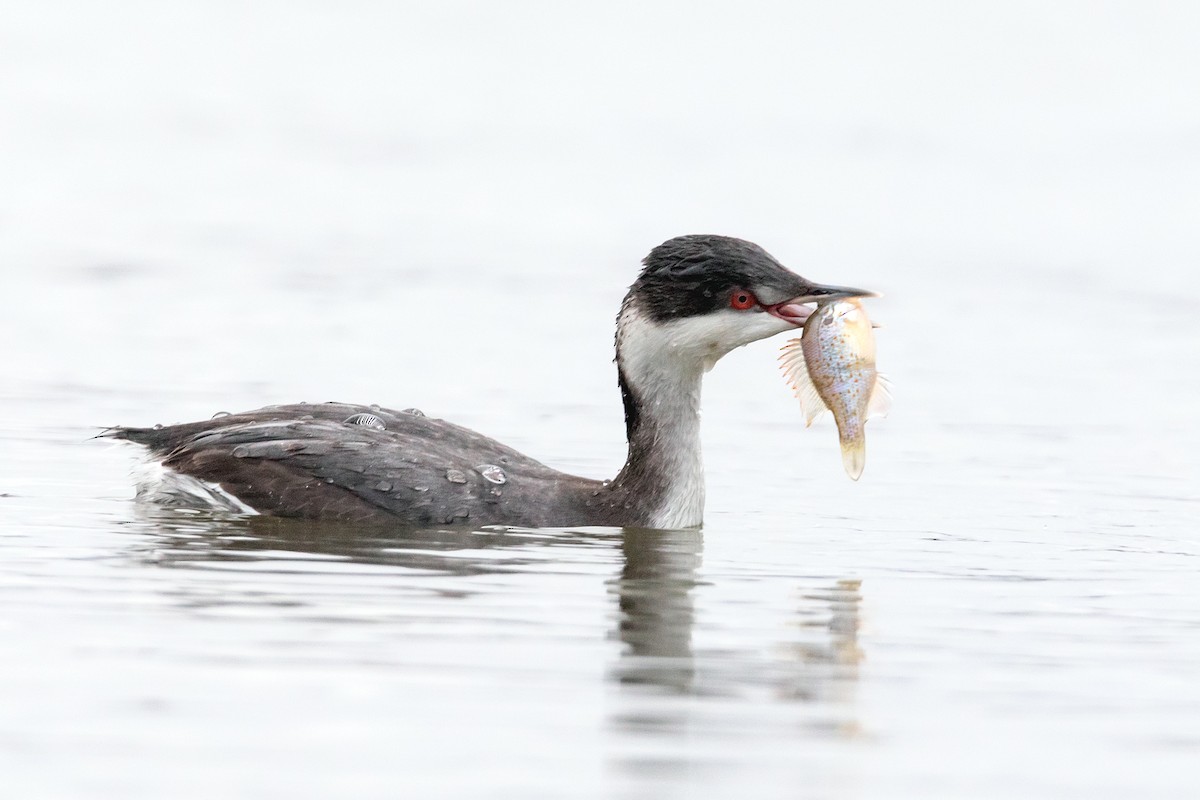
(308, 460)
(697, 298)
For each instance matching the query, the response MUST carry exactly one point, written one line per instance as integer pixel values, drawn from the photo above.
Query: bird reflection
(654, 594)
(183, 538)
(808, 650)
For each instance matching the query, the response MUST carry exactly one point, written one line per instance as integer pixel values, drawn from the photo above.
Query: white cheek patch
(705, 339)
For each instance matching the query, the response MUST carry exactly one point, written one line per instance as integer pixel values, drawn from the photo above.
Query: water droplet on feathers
(492, 473)
(366, 420)
(456, 476)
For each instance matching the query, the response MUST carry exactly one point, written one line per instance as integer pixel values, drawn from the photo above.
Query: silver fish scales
(832, 366)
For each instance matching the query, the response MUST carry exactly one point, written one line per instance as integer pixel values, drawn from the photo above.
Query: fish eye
(742, 299)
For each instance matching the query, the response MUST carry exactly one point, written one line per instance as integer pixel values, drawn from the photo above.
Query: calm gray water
(205, 208)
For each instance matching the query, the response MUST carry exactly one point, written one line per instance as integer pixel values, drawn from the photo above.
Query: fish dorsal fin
(880, 402)
(795, 371)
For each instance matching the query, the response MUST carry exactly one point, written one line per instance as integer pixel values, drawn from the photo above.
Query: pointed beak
(796, 311)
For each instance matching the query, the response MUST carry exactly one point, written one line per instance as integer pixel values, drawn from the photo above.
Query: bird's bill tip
(820, 293)
(798, 309)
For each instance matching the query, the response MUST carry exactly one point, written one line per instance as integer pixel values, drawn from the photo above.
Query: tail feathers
(159, 441)
(146, 436)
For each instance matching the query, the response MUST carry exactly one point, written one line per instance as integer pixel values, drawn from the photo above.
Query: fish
(832, 366)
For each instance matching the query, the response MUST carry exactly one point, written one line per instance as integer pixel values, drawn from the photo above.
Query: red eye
(741, 300)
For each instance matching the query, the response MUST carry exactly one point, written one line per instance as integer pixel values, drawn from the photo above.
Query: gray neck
(660, 383)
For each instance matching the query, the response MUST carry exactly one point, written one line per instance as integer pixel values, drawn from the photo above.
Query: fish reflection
(827, 654)
(817, 659)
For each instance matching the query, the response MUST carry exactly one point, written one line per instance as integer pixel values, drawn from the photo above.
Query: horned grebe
(696, 299)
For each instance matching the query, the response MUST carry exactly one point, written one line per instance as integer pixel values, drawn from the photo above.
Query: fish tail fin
(854, 455)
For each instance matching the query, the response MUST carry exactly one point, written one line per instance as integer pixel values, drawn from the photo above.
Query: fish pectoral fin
(880, 401)
(795, 370)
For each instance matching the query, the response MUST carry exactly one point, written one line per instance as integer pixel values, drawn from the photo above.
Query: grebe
(696, 299)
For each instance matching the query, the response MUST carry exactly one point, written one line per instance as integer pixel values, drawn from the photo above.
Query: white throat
(664, 364)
